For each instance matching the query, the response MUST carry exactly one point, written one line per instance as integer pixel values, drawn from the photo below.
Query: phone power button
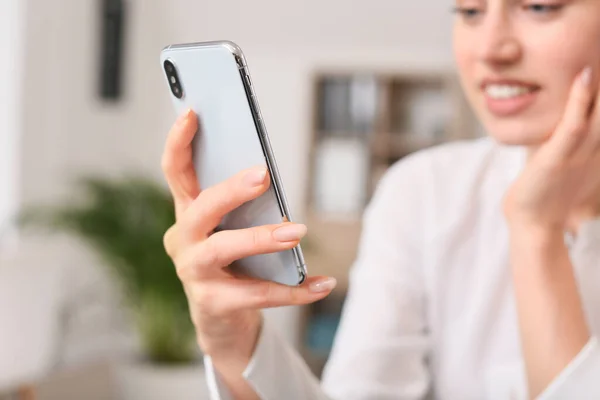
(247, 78)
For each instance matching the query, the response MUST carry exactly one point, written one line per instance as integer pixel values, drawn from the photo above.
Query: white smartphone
(212, 78)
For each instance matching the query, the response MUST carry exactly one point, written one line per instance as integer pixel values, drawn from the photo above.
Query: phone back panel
(231, 138)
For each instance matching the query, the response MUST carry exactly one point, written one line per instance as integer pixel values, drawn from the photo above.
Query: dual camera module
(173, 78)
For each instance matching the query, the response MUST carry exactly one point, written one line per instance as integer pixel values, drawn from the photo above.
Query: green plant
(124, 222)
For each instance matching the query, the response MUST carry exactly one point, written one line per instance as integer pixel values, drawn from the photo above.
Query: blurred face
(517, 60)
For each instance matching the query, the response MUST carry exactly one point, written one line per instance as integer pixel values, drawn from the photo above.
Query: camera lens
(174, 82)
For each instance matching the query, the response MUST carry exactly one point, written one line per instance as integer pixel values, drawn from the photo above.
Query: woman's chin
(517, 133)
(517, 140)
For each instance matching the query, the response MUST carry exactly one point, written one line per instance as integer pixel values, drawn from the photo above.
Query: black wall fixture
(113, 18)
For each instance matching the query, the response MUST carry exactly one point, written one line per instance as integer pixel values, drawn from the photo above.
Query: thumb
(267, 294)
(226, 296)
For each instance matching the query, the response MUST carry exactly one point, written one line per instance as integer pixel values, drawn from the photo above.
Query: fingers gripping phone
(212, 78)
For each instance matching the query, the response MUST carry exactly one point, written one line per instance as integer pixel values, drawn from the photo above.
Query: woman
(464, 286)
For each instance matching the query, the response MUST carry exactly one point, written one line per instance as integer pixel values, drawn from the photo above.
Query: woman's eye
(467, 12)
(542, 8)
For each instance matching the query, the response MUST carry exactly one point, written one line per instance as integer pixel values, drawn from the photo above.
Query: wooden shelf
(409, 111)
(398, 145)
(331, 246)
(343, 134)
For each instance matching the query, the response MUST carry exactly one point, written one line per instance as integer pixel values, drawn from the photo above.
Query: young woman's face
(517, 60)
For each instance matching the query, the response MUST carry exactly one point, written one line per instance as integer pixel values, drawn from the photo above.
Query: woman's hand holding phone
(225, 307)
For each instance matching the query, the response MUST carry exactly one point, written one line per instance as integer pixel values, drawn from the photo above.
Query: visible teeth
(506, 91)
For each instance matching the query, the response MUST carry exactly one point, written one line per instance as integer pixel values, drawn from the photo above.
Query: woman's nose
(498, 45)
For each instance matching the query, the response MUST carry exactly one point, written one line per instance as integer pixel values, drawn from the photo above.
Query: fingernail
(289, 232)
(184, 115)
(323, 285)
(586, 76)
(256, 177)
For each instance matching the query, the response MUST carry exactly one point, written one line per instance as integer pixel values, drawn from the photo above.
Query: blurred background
(345, 91)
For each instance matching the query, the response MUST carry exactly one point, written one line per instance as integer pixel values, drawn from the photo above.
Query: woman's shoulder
(467, 161)
(442, 188)
(441, 180)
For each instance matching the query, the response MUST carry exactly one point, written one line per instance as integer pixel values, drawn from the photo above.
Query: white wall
(11, 40)
(285, 42)
(313, 26)
(67, 131)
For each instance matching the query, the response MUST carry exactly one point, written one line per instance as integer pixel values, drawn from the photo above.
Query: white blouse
(430, 312)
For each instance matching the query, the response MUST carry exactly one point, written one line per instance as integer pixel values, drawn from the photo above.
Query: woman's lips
(508, 97)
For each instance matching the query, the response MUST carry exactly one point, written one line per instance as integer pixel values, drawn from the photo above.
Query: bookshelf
(363, 122)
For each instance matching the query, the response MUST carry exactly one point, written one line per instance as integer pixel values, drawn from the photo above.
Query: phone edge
(268, 151)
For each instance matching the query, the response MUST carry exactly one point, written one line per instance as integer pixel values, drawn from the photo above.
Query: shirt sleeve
(276, 371)
(216, 389)
(381, 346)
(581, 378)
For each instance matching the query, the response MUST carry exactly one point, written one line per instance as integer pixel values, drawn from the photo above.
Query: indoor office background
(345, 90)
